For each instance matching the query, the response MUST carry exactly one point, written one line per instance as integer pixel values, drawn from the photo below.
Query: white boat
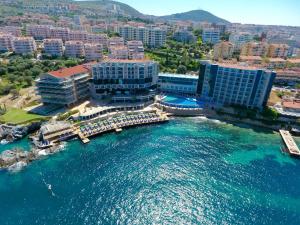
(4, 142)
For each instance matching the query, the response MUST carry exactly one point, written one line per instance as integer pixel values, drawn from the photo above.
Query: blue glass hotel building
(234, 84)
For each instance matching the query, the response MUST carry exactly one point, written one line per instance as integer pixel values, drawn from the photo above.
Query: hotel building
(232, 84)
(53, 47)
(211, 35)
(24, 45)
(223, 50)
(74, 49)
(177, 83)
(135, 50)
(6, 42)
(124, 80)
(65, 86)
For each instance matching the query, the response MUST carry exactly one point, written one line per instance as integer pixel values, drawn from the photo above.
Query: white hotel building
(6, 42)
(124, 80)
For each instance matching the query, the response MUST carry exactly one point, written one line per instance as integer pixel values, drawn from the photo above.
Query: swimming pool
(182, 102)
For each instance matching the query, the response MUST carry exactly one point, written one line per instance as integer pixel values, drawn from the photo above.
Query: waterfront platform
(290, 143)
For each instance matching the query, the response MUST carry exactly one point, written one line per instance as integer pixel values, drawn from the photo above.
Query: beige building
(278, 51)
(74, 49)
(39, 31)
(135, 49)
(115, 41)
(223, 50)
(118, 52)
(255, 49)
(24, 45)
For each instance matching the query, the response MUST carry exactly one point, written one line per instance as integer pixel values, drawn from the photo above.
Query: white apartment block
(98, 39)
(223, 50)
(24, 45)
(239, 39)
(74, 49)
(39, 32)
(211, 35)
(6, 42)
(53, 47)
(115, 41)
(255, 49)
(135, 49)
(118, 52)
(150, 36)
(93, 51)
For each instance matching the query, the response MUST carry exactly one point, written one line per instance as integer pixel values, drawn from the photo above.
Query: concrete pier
(290, 143)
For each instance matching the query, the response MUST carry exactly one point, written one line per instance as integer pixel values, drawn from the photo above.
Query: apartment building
(124, 80)
(255, 49)
(115, 42)
(183, 84)
(60, 33)
(39, 32)
(93, 51)
(78, 35)
(184, 36)
(223, 50)
(278, 51)
(135, 49)
(150, 36)
(74, 49)
(6, 42)
(98, 39)
(13, 30)
(211, 35)
(118, 52)
(65, 86)
(53, 47)
(239, 39)
(24, 45)
(227, 84)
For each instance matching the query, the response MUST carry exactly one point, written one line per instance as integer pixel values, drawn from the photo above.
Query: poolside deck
(290, 143)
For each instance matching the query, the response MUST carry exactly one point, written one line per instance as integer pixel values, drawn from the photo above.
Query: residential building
(118, 52)
(124, 80)
(135, 49)
(223, 50)
(150, 36)
(278, 51)
(98, 39)
(6, 42)
(24, 45)
(60, 33)
(74, 49)
(255, 49)
(234, 84)
(13, 30)
(115, 42)
(93, 51)
(184, 36)
(239, 39)
(65, 86)
(211, 35)
(78, 35)
(39, 32)
(53, 47)
(181, 84)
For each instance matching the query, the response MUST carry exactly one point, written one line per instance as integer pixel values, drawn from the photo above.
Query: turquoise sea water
(183, 102)
(187, 171)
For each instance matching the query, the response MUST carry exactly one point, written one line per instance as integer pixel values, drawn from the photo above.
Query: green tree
(181, 69)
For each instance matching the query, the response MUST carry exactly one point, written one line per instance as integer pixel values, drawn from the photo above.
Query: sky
(270, 12)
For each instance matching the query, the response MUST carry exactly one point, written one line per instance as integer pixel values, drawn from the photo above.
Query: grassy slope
(19, 116)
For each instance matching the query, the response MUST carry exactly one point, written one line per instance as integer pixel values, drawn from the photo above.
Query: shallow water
(187, 171)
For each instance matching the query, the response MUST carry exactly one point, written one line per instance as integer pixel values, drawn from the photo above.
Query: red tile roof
(68, 72)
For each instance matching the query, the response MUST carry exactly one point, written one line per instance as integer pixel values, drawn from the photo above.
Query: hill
(196, 16)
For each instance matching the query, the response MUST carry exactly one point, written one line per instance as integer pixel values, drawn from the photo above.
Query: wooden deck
(290, 143)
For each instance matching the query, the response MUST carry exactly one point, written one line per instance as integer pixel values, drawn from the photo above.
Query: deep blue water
(188, 171)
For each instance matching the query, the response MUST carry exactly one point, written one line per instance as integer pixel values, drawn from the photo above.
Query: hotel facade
(124, 80)
(225, 84)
